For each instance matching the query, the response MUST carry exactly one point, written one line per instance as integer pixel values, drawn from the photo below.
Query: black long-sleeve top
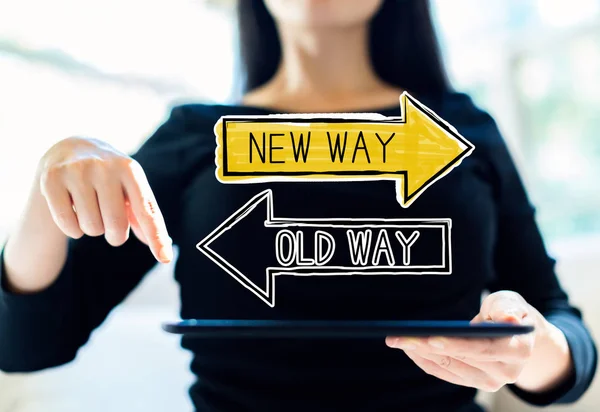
(496, 245)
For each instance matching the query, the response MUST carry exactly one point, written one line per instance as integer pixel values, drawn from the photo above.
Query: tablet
(206, 328)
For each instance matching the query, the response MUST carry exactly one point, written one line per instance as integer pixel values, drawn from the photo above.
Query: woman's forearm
(36, 251)
(550, 363)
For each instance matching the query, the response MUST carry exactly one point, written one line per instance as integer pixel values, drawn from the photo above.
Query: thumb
(504, 307)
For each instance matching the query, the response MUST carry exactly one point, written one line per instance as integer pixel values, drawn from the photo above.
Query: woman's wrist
(36, 231)
(550, 363)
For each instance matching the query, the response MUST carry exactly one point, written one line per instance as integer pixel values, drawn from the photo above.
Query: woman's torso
(315, 375)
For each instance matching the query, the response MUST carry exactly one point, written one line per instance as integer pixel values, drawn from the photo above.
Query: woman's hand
(82, 186)
(535, 362)
(93, 189)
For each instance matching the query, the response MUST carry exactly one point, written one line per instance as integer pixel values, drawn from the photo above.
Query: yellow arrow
(416, 149)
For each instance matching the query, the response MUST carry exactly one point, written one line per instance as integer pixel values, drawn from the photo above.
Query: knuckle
(76, 166)
(74, 172)
(115, 225)
(445, 362)
(117, 163)
(62, 216)
(50, 178)
(131, 166)
(64, 219)
(150, 207)
(51, 174)
(87, 164)
(149, 211)
(99, 170)
(127, 162)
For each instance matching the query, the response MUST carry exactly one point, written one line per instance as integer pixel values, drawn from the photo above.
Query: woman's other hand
(93, 189)
(535, 362)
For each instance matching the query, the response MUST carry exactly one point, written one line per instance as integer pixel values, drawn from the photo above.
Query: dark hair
(403, 45)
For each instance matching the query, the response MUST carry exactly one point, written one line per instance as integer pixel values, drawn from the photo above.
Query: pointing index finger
(148, 215)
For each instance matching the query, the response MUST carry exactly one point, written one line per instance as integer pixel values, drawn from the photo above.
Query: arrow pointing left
(437, 229)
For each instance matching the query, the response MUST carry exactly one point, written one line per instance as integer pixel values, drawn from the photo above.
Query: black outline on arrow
(406, 198)
(268, 295)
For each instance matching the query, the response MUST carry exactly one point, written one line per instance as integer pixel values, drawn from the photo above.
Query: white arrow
(268, 294)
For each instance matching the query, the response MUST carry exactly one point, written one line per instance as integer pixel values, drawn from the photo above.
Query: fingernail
(392, 342)
(437, 343)
(407, 344)
(166, 253)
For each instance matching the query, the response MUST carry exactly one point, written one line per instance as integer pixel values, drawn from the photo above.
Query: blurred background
(113, 68)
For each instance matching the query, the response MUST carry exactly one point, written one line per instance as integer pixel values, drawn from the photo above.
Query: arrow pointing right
(415, 150)
(440, 227)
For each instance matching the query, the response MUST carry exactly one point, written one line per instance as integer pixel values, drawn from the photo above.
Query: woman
(300, 56)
